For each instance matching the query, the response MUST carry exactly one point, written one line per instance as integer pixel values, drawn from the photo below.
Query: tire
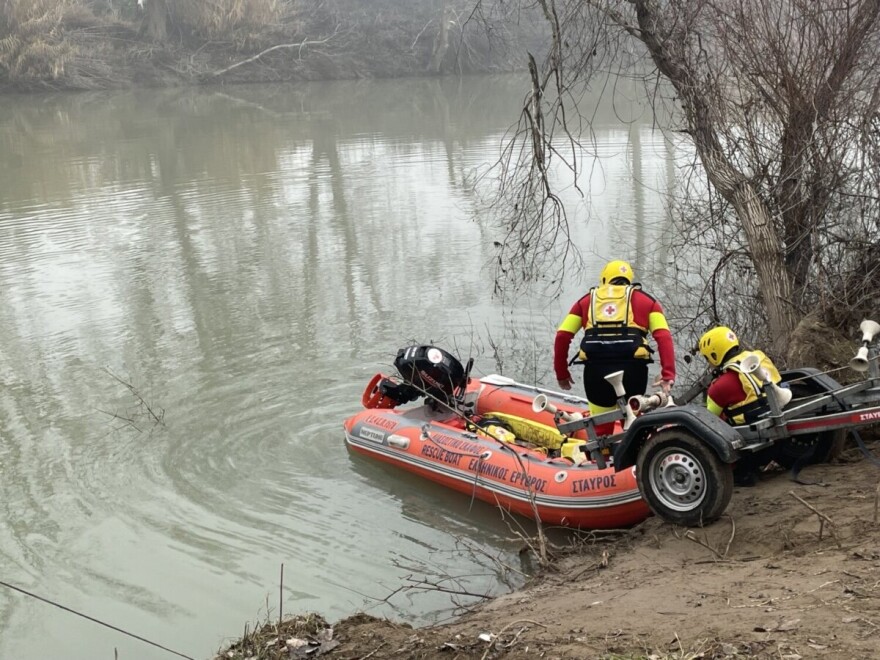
(809, 448)
(825, 447)
(682, 479)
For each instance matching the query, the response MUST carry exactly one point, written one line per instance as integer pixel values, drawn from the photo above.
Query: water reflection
(435, 506)
(239, 261)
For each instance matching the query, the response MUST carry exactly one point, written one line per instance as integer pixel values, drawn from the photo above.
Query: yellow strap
(713, 407)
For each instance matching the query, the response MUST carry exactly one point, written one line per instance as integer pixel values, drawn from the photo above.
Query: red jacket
(726, 391)
(647, 313)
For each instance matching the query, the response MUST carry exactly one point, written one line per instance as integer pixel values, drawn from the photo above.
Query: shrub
(32, 46)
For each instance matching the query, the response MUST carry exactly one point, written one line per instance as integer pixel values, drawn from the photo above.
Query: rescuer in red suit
(616, 317)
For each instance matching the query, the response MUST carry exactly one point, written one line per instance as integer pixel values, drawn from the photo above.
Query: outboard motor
(433, 372)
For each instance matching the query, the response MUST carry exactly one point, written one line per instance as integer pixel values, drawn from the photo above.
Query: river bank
(109, 44)
(771, 579)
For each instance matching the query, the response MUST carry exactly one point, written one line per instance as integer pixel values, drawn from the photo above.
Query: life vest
(610, 331)
(751, 384)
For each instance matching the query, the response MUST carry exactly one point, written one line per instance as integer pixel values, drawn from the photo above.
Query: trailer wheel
(682, 479)
(809, 448)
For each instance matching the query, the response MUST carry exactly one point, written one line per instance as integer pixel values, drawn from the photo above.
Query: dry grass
(32, 45)
(239, 21)
(98, 44)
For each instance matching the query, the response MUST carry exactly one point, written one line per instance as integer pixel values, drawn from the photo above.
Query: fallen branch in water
(158, 418)
(425, 585)
(299, 46)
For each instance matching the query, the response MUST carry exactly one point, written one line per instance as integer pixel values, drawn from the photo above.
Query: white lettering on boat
(866, 417)
(373, 435)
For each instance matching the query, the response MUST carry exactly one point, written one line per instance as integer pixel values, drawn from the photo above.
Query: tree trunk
(765, 248)
(796, 182)
(156, 19)
(769, 260)
(667, 46)
(441, 41)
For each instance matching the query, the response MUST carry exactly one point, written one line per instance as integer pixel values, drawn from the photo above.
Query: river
(195, 287)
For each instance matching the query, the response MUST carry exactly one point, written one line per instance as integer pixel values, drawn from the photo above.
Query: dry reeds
(32, 45)
(222, 20)
(306, 633)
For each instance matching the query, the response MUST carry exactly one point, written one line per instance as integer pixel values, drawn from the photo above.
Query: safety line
(86, 616)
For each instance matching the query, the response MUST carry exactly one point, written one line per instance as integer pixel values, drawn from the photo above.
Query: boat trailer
(684, 455)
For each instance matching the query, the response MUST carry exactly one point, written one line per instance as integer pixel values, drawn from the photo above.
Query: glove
(565, 384)
(665, 385)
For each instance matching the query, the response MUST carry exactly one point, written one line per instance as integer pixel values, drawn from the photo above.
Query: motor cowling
(434, 372)
(385, 392)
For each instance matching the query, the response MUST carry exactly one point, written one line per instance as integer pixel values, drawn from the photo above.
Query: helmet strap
(730, 354)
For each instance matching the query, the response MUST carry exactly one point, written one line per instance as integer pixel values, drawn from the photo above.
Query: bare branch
(299, 47)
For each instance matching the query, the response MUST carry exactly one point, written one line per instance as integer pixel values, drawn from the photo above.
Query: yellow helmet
(614, 269)
(715, 343)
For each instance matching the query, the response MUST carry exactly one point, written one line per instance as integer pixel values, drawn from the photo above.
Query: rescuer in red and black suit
(734, 395)
(616, 318)
(737, 395)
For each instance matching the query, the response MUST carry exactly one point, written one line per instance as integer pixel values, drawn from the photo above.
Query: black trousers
(599, 392)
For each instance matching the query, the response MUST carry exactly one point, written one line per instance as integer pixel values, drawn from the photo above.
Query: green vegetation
(95, 44)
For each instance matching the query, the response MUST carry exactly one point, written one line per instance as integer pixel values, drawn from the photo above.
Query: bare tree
(779, 99)
(155, 18)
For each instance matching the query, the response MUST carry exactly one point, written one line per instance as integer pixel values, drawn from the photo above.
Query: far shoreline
(88, 46)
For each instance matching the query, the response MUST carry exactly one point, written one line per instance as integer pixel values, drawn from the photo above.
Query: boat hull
(436, 446)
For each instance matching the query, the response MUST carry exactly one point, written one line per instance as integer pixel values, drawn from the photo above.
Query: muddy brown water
(195, 287)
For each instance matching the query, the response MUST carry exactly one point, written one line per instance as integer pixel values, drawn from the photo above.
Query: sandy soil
(771, 579)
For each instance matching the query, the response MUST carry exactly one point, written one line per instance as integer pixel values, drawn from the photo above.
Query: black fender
(715, 432)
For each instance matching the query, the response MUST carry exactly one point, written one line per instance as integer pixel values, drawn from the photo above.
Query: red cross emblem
(609, 310)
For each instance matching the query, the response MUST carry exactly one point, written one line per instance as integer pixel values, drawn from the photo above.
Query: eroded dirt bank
(759, 583)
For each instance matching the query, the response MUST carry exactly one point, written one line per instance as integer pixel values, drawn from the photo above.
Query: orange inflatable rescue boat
(491, 438)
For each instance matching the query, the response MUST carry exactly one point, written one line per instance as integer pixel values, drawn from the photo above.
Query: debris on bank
(304, 636)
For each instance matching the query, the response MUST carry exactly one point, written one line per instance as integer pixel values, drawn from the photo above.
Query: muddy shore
(791, 571)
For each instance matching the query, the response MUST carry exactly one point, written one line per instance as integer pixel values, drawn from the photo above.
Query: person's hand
(665, 385)
(565, 384)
